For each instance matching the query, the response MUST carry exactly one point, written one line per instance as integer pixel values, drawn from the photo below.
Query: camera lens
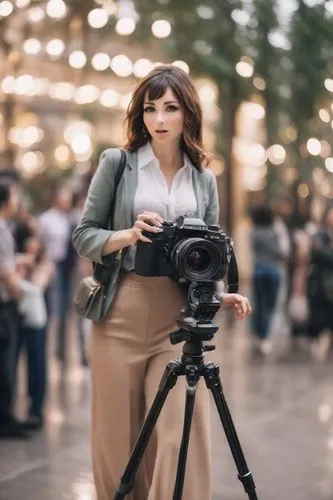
(196, 259)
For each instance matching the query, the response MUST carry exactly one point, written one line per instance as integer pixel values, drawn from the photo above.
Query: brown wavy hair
(155, 84)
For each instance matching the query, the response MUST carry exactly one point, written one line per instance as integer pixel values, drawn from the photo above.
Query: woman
(164, 178)
(266, 278)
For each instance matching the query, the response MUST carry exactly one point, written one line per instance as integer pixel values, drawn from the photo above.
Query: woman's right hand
(146, 221)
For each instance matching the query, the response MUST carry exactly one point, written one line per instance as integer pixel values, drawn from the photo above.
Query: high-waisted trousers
(129, 351)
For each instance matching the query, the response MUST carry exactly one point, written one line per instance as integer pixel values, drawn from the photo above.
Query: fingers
(143, 226)
(147, 221)
(240, 311)
(140, 236)
(248, 307)
(151, 217)
(239, 303)
(242, 306)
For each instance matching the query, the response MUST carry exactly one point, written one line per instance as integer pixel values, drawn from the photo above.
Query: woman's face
(164, 118)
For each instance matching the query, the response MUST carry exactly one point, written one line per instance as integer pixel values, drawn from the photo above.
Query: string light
(324, 115)
(56, 9)
(6, 8)
(182, 65)
(32, 163)
(125, 26)
(259, 83)
(142, 67)
(161, 28)
(100, 61)
(329, 164)
(313, 146)
(244, 69)
(36, 14)
(55, 47)
(109, 98)
(32, 46)
(22, 4)
(62, 154)
(329, 84)
(77, 59)
(121, 65)
(276, 154)
(98, 18)
(8, 85)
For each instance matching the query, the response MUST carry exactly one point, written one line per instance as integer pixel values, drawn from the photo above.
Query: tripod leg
(168, 380)
(213, 382)
(192, 375)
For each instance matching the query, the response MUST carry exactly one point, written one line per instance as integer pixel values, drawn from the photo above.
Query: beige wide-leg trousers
(129, 351)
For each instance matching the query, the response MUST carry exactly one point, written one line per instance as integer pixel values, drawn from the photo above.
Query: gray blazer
(89, 237)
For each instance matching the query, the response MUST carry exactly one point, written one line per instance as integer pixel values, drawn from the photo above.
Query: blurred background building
(263, 70)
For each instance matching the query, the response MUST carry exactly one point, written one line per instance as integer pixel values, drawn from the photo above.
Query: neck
(169, 155)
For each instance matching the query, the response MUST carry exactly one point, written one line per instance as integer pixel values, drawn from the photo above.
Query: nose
(160, 118)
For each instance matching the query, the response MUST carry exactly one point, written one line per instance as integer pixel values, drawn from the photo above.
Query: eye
(171, 107)
(149, 109)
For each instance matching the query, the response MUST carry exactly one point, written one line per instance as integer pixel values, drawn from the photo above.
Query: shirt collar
(146, 156)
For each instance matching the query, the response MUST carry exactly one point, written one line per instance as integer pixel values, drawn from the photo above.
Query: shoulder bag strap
(119, 174)
(102, 271)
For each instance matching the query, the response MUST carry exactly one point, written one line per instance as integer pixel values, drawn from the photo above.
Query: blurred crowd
(38, 270)
(292, 275)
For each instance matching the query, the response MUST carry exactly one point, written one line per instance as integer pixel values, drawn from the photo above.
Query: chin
(164, 139)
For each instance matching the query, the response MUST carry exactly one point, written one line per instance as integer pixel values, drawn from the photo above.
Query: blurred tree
(311, 56)
(264, 27)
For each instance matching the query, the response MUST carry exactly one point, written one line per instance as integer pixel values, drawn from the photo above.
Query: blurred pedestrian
(10, 293)
(56, 230)
(320, 287)
(266, 279)
(298, 278)
(33, 329)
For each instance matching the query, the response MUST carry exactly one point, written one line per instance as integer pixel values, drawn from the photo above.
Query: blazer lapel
(129, 189)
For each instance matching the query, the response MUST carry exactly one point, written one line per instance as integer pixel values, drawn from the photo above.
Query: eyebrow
(166, 102)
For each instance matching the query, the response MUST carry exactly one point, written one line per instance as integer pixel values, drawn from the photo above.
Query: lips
(161, 131)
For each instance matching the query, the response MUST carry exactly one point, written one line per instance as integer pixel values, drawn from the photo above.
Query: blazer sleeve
(90, 235)
(212, 211)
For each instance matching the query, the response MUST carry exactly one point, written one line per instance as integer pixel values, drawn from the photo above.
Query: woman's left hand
(238, 302)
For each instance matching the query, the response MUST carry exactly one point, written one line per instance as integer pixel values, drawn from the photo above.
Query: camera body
(186, 249)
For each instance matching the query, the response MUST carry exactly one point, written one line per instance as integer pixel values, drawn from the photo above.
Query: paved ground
(282, 412)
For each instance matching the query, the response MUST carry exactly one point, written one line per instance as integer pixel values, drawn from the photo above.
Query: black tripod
(192, 365)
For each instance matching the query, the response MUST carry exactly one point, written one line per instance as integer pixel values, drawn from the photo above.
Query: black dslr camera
(186, 250)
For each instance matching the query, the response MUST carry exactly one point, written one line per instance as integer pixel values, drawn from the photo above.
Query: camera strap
(233, 274)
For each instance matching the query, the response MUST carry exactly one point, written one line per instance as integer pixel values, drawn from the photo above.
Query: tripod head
(195, 322)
